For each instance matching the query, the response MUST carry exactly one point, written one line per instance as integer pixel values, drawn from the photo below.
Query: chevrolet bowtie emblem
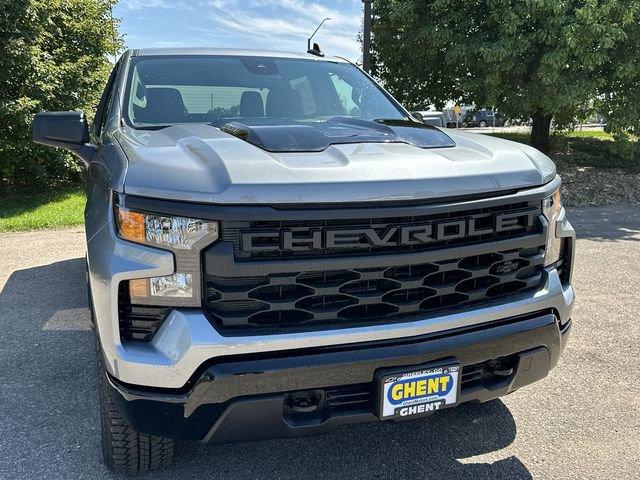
(507, 267)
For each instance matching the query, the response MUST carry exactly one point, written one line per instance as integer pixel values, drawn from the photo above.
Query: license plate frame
(416, 396)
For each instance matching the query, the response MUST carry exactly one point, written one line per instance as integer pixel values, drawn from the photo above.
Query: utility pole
(366, 38)
(113, 33)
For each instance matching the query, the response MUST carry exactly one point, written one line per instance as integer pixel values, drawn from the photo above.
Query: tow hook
(304, 402)
(499, 367)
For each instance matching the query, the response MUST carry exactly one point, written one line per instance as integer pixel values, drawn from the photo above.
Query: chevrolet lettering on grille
(316, 238)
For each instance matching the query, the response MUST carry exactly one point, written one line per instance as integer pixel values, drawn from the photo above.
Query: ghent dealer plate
(419, 391)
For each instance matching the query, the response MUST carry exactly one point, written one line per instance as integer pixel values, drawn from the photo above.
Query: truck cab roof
(192, 51)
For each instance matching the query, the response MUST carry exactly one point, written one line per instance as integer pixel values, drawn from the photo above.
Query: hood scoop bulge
(292, 136)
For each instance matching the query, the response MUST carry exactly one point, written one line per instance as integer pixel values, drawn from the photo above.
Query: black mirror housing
(418, 116)
(68, 130)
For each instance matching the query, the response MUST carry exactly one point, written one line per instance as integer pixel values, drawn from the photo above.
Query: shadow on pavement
(606, 223)
(48, 367)
(50, 424)
(426, 448)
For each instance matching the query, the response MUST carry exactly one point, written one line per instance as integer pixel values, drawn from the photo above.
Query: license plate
(419, 391)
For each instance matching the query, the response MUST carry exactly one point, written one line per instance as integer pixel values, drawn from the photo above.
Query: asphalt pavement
(583, 421)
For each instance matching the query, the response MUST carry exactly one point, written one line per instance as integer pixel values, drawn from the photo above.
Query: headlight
(164, 231)
(186, 237)
(551, 207)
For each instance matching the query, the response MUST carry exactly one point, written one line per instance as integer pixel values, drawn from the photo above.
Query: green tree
(539, 59)
(620, 95)
(54, 55)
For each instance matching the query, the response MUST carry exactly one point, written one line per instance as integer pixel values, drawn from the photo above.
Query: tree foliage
(54, 55)
(620, 95)
(539, 59)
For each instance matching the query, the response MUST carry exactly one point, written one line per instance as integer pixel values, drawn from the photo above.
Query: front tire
(124, 449)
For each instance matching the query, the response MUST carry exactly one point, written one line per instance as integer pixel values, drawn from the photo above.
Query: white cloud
(144, 41)
(286, 24)
(312, 11)
(259, 24)
(221, 3)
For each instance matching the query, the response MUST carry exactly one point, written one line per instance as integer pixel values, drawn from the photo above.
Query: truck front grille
(343, 267)
(346, 297)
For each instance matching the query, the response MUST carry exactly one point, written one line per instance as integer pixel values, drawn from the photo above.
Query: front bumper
(247, 397)
(187, 339)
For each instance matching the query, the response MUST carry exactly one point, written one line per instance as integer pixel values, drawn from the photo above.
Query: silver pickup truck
(275, 247)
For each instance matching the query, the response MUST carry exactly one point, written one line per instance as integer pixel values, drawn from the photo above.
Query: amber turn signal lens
(131, 225)
(139, 287)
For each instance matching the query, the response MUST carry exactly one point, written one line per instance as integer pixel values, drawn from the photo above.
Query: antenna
(316, 49)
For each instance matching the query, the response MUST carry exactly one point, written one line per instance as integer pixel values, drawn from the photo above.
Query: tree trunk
(541, 131)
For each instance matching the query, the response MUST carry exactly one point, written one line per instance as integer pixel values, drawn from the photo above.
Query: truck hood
(201, 163)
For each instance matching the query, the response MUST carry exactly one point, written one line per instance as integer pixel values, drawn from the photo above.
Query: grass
(597, 134)
(587, 149)
(55, 209)
(558, 140)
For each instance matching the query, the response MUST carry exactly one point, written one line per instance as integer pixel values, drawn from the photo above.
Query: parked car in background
(484, 118)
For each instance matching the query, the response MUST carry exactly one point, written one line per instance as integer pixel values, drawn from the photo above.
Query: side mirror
(68, 130)
(418, 116)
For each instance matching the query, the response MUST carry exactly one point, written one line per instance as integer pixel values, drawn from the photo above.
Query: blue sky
(260, 24)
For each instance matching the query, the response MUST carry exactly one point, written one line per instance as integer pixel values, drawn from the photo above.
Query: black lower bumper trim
(258, 398)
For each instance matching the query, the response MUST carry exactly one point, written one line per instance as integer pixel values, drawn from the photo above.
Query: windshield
(219, 89)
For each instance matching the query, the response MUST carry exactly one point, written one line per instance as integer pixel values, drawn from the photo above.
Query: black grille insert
(342, 297)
